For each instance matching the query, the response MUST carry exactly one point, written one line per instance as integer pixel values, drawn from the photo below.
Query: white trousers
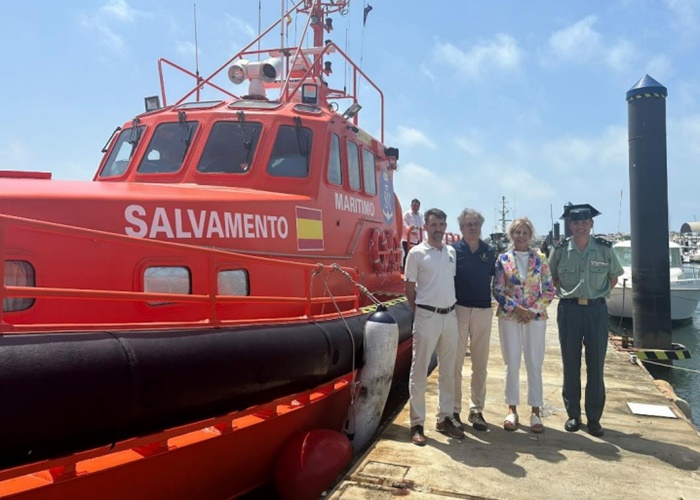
(432, 331)
(518, 340)
(474, 331)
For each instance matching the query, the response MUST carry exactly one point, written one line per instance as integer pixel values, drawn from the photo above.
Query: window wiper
(247, 142)
(301, 143)
(186, 132)
(106, 146)
(134, 136)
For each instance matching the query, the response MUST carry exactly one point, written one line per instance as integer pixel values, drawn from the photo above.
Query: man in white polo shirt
(430, 271)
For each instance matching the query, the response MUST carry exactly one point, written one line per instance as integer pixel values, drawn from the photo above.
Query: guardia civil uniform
(583, 284)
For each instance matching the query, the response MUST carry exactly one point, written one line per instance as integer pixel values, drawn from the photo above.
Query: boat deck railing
(310, 304)
(295, 56)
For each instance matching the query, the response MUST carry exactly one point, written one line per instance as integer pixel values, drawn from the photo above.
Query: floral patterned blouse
(534, 291)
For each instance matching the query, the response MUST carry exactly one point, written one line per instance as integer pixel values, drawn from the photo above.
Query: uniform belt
(439, 310)
(581, 301)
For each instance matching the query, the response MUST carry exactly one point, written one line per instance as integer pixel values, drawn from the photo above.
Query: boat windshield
(167, 148)
(122, 152)
(624, 255)
(230, 148)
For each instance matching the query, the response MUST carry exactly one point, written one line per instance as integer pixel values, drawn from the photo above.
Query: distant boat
(685, 288)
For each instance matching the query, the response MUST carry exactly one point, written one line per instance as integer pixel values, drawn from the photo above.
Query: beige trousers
(474, 331)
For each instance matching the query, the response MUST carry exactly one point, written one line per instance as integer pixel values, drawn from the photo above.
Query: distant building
(690, 227)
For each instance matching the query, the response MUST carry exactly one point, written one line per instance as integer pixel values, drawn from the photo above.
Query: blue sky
(522, 100)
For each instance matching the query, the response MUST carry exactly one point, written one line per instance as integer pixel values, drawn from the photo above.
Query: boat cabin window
(675, 258)
(624, 255)
(230, 148)
(167, 148)
(353, 165)
(167, 279)
(18, 273)
(233, 282)
(290, 154)
(368, 173)
(122, 152)
(335, 172)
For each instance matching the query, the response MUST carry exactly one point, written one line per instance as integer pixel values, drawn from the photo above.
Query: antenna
(196, 51)
(504, 212)
(619, 213)
(259, 25)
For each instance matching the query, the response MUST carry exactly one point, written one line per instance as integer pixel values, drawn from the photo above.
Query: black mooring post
(651, 294)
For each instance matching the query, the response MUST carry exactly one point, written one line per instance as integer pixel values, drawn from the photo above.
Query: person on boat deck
(523, 288)
(584, 269)
(412, 223)
(430, 272)
(475, 269)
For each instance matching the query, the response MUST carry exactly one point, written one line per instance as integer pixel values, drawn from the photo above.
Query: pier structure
(640, 456)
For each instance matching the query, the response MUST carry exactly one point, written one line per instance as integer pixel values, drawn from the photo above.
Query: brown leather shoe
(417, 436)
(447, 427)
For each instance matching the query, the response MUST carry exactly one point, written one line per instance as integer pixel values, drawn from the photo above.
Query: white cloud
(106, 36)
(186, 49)
(239, 28)
(14, 155)
(101, 22)
(620, 54)
(432, 187)
(119, 9)
(500, 54)
(577, 42)
(424, 70)
(685, 16)
(582, 43)
(408, 137)
(469, 145)
(659, 67)
(572, 154)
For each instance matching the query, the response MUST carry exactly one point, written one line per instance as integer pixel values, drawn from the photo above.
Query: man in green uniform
(584, 269)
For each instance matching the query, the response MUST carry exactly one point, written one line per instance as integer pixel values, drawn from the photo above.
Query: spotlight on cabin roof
(309, 93)
(151, 103)
(351, 111)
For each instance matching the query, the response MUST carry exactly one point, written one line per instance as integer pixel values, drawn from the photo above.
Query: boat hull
(72, 392)
(219, 466)
(684, 302)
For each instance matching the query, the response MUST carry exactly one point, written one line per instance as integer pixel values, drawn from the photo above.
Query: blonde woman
(523, 288)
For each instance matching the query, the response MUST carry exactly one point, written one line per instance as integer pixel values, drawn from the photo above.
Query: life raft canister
(394, 250)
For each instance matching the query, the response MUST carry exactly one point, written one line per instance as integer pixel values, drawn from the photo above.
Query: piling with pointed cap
(651, 295)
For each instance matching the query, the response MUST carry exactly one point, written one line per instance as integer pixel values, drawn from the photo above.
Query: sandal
(511, 422)
(536, 424)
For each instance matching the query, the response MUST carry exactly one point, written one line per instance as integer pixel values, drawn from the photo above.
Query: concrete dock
(640, 457)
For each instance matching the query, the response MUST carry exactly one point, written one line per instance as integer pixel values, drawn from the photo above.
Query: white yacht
(685, 284)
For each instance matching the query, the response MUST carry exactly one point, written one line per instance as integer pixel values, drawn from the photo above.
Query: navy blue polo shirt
(474, 273)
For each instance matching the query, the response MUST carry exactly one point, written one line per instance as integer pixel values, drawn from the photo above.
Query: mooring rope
(692, 370)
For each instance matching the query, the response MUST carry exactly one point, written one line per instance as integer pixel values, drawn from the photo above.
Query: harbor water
(684, 377)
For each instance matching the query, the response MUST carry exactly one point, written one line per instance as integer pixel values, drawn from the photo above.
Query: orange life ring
(377, 251)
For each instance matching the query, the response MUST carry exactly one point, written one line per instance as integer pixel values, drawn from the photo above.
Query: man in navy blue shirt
(476, 263)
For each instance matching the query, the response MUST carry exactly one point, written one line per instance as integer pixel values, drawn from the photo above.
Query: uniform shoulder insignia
(603, 241)
(564, 242)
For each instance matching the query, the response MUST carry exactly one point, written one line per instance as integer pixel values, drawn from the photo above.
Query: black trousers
(404, 244)
(583, 326)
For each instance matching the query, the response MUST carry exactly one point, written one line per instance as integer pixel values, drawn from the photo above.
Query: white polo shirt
(433, 271)
(409, 218)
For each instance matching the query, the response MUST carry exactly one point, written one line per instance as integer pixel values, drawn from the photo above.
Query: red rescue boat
(168, 327)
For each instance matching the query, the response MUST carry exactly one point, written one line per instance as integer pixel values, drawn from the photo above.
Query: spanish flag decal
(309, 228)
